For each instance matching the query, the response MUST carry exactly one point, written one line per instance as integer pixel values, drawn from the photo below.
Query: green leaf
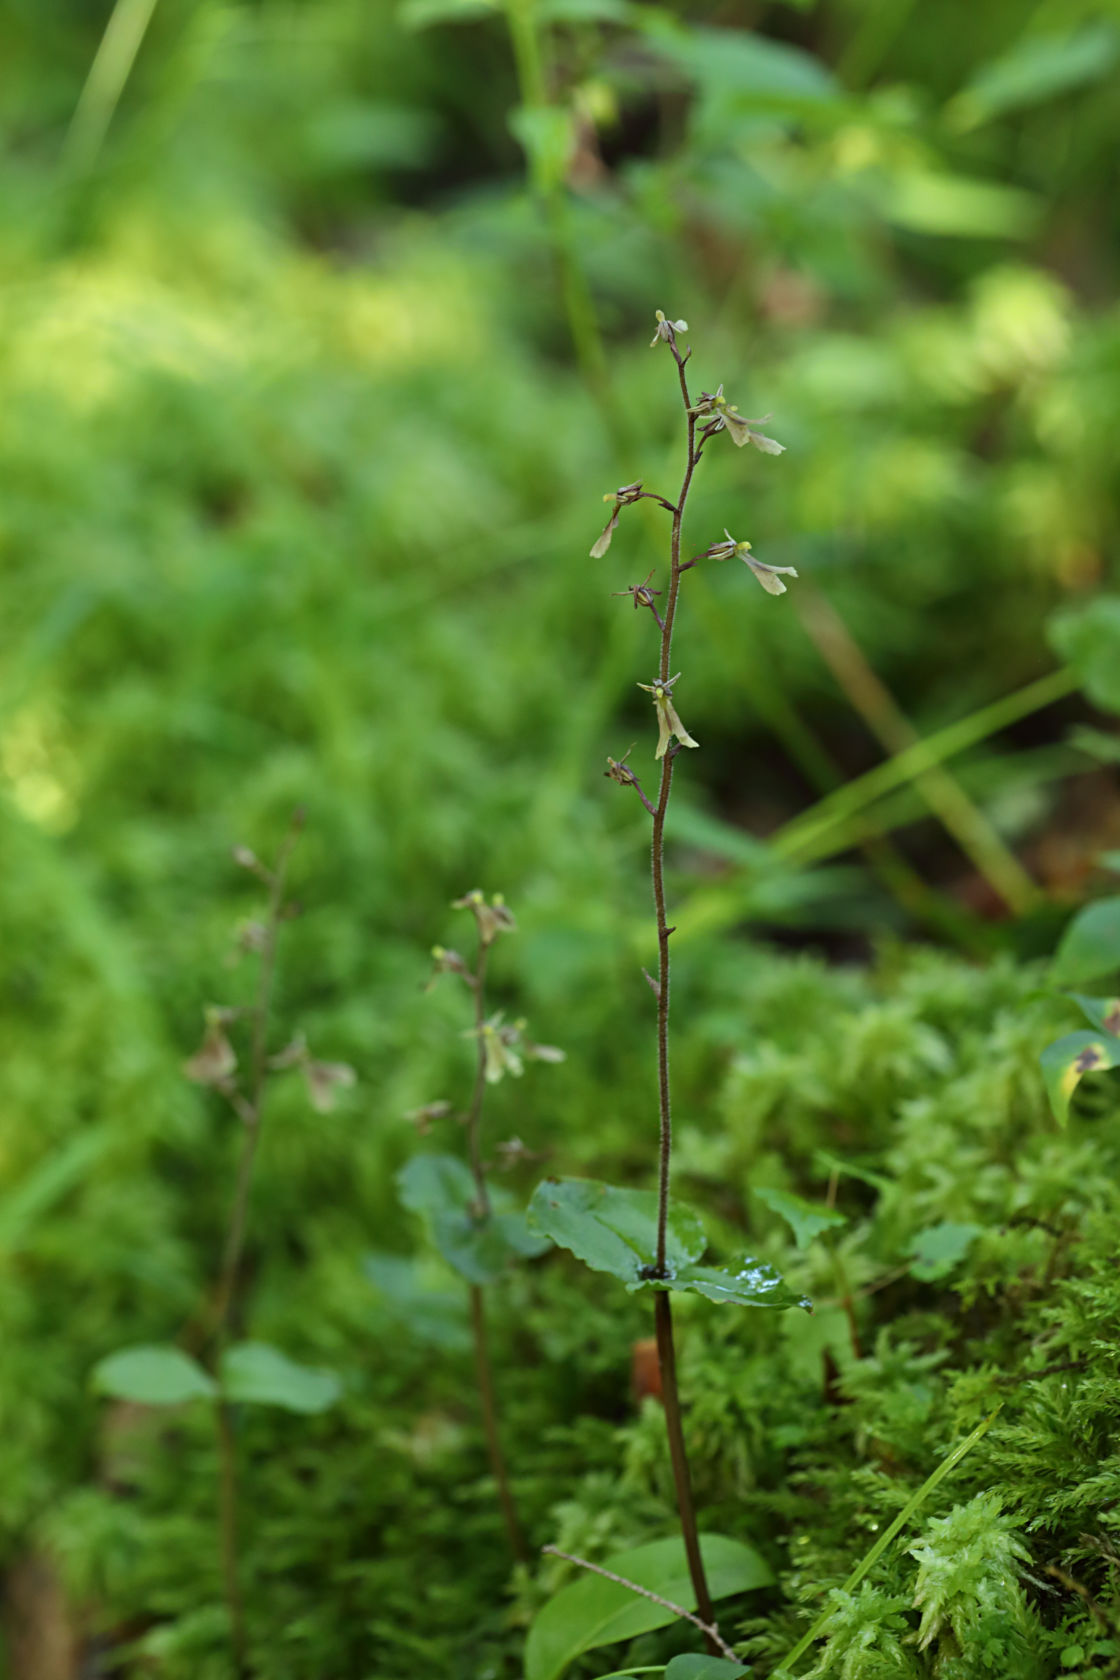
(426, 1313)
(152, 1376)
(254, 1373)
(1037, 68)
(593, 1612)
(584, 11)
(615, 1231)
(1068, 1059)
(757, 70)
(1088, 639)
(547, 135)
(434, 1184)
(806, 1219)
(479, 1247)
(1090, 945)
(957, 206)
(422, 14)
(1101, 1012)
(755, 1284)
(939, 1249)
(693, 1667)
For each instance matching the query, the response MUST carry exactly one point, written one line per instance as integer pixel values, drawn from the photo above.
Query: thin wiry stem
(663, 1314)
(249, 1107)
(709, 1629)
(483, 1368)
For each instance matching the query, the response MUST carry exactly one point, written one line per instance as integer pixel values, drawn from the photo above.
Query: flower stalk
(704, 420)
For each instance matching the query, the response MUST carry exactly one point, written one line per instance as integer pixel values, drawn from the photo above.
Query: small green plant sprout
(233, 1373)
(474, 1224)
(1088, 951)
(640, 1236)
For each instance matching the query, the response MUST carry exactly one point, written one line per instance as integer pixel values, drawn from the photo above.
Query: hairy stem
(483, 1368)
(667, 1359)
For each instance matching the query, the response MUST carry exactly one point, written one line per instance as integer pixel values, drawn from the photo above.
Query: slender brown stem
(227, 1514)
(666, 1354)
(474, 1112)
(667, 1359)
(249, 1108)
(483, 1366)
(490, 1424)
(250, 1111)
(657, 850)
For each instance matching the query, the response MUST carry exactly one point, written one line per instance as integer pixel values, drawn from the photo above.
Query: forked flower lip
(770, 577)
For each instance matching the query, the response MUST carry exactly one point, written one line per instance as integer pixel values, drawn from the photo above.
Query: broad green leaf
(152, 1376)
(584, 11)
(806, 1219)
(428, 1314)
(613, 1230)
(593, 1612)
(957, 206)
(1101, 1012)
(478, 1246)
(1068, 1059)
(766, 73)
(939, 1249)
(481, 1249)
(254, 1373)
(422, 14)
(1037, 68)
(1090, 945)
(1088, 639)
(755, 1284)
(435, 1184)
(693, 1667)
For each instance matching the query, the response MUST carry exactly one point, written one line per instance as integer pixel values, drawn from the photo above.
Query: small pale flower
(770, 577)
(668, 722)
(292, 1055)
(423, 1116)
(500, 1048)
(666, 329)
(215, 1060)
(447, 962)
(324, 1080)
(492, 919)
(725, 416)
(621, 498)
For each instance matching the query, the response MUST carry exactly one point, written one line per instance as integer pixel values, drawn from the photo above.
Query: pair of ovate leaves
(248, 1373)
(610, 1229)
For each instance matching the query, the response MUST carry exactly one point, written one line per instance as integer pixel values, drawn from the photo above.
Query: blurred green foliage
(309, 403)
